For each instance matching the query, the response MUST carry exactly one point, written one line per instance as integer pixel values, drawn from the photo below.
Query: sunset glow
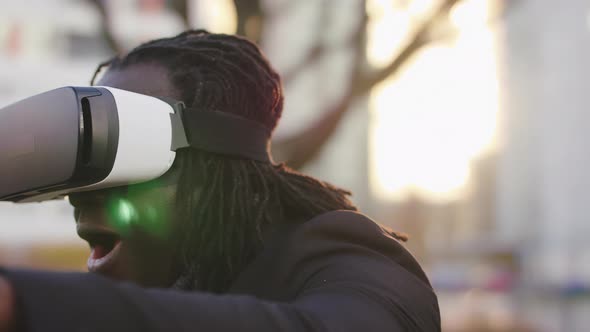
(437, 114)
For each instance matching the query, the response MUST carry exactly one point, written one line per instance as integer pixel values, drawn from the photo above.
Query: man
(222, 242)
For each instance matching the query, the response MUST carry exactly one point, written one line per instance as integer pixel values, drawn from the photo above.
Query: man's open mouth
(105, 246)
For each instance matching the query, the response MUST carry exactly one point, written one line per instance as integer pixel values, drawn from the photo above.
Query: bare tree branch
(181, 8)
(178, 6)
(298, 150)
(316, 51)
(106, 31)
(277, 10)
(498, 14)
(301, 148)
(250, 19)
(314, 54)
(418, 39)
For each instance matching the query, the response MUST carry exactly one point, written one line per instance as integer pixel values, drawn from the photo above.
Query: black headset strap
(226, 133)
(219, 132)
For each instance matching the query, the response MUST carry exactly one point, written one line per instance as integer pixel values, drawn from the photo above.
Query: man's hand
(7, 304)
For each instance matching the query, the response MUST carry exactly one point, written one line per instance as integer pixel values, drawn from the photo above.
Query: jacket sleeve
(340, 288)
(85, 302)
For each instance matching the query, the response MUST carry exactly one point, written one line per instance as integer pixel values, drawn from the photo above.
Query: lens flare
(126, 211)
(155, 221)
(138, 213)
(122, 214)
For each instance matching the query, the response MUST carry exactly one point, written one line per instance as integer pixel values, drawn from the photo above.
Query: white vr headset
(75, 139)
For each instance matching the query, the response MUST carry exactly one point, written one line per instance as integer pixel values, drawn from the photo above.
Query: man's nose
(91, 214)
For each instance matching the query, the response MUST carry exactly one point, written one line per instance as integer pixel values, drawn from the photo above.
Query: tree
(252, 16)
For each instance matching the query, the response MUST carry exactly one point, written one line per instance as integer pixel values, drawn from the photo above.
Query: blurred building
(542, 199)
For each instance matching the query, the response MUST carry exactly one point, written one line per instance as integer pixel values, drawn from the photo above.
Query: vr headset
(75, 139)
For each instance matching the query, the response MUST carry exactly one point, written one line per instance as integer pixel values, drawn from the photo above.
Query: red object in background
(13, 44)
(152, 6)
(502, 281)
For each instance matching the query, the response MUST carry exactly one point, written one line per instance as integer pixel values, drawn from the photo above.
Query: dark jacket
(337, 272)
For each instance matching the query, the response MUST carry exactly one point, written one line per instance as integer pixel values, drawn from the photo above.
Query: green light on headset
(122, 214)
(125, 215)
(126, 212)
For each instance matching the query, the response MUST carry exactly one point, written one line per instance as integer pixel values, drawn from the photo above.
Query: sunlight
(387, 27)
(418, 8)
(218, 16)
(470, 14)
(433, 118)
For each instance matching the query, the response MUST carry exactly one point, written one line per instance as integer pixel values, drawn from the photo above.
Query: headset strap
(220, 132)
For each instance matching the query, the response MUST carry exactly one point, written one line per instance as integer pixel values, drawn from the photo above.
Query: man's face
(130, 229)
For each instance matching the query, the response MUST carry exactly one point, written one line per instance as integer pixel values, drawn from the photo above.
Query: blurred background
(459, 122)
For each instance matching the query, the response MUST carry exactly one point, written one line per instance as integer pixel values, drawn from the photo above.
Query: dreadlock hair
(224, 204)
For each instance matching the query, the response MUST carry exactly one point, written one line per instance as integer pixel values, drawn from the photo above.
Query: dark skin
(146, 258)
